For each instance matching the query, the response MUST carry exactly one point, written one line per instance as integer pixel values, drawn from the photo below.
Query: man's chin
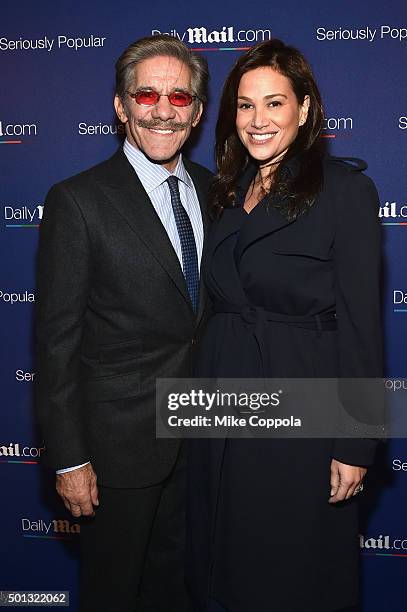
(162, 159)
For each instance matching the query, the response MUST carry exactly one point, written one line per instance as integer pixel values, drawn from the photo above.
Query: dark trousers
(132, 551)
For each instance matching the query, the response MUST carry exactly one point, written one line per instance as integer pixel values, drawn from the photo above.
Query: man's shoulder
(197, 171)
(88, 178)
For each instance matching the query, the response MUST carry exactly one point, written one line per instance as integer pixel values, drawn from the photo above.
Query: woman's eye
(247, 105)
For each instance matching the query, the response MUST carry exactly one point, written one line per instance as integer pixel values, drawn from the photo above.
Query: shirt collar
(150, 174)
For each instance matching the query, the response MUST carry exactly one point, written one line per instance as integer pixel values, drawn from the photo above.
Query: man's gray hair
(161, 45)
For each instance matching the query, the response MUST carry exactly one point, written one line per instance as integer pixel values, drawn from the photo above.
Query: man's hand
(344, 480)
(78, 490)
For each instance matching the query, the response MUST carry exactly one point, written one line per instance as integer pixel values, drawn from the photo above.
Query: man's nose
(163, 110)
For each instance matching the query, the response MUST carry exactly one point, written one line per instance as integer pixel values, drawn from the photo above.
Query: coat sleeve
(357, 264)
(63, 276)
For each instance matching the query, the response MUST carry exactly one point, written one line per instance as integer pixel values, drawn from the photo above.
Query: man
(118, 306)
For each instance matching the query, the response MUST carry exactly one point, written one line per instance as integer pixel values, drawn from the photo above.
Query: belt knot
(253, 315)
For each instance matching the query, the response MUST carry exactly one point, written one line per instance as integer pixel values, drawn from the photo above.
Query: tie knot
(173, 183)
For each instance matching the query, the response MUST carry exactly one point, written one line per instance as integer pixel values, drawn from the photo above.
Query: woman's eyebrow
(265, 97)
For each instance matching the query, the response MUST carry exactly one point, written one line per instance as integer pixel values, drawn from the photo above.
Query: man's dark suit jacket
(112, 314)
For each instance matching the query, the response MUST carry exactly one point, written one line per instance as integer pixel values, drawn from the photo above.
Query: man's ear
(198, 114)
(119, 108)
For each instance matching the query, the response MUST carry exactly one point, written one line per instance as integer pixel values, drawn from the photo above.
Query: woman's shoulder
(342, 166)
(346, 171)
(346, 186)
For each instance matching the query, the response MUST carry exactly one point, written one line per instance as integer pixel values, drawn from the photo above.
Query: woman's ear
(304, 108)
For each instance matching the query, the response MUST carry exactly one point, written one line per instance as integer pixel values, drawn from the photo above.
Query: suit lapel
(126, 193)
(201, 187)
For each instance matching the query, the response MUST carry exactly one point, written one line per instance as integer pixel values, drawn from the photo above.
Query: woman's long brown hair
(294, 194)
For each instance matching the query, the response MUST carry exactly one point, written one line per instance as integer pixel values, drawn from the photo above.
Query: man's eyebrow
(150, 88)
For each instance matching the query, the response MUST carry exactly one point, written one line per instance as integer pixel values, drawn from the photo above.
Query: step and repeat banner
(57, 118)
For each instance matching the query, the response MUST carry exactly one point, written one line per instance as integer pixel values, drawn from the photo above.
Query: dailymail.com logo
(23, 216)
(15, 133)
(55, 529)
(393, 213)
(226, 35)
(15, 452)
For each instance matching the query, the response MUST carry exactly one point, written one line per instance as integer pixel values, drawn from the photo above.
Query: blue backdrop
(56, 118)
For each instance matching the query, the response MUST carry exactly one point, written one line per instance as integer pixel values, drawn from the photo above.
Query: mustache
(167, 125)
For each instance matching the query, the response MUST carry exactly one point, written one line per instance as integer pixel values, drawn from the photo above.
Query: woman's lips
(262, 138)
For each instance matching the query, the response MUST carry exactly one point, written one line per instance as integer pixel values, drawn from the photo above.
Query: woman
(292, 267)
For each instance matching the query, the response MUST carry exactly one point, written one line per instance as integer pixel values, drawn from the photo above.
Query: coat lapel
(227, 225)
(262, 221)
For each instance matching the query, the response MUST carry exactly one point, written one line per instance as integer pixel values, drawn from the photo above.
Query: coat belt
(257, 318)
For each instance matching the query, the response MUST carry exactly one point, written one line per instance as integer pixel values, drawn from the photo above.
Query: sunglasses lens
(148, 98)
(180, 98)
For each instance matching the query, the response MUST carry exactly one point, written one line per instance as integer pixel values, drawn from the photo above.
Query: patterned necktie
(187, 240)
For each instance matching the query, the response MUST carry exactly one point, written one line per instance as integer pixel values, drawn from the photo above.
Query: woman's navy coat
(262, 535)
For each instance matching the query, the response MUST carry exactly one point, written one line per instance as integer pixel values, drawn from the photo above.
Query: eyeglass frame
(133, 94)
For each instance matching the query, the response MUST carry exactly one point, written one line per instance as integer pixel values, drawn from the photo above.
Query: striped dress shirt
(153, 177)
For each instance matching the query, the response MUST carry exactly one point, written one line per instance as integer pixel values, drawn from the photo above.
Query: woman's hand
(345, 480)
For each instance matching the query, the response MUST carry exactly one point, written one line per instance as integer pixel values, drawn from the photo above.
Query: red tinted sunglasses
(149, 98)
